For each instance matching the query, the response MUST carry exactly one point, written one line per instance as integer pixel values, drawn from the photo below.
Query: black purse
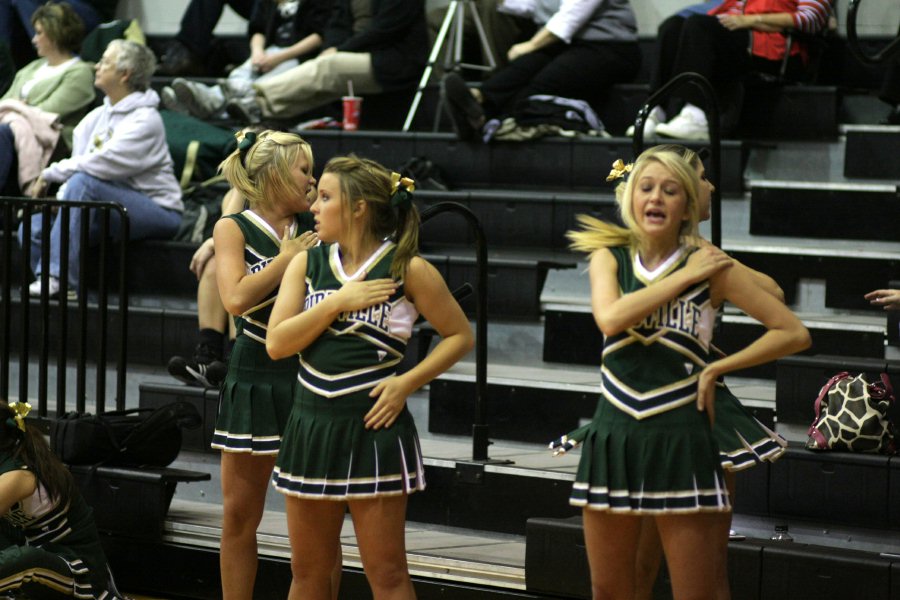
(133, 437)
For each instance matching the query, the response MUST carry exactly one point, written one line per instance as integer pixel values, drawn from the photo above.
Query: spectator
(283, 33)
(580, 50)
(58, 83)
(715, 46)
(119, 155)
(379, 46)
(890, 90)
(38, 495)
(207, 365)
(188, 52)
(887, 298)
(16, 23)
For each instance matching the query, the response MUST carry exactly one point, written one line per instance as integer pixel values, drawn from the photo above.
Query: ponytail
(261, 166)
(25, 442)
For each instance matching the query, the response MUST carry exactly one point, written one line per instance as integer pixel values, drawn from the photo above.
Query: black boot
(178, 61)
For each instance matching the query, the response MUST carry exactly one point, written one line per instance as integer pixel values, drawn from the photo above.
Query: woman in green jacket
(58, 82)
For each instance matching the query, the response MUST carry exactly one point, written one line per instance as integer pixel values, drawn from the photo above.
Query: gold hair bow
(619, 169)
(396, 180)
(20, 411)
(401, 197)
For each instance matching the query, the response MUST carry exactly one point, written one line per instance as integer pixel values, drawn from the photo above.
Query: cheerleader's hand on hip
(706, 393)
(390, 401)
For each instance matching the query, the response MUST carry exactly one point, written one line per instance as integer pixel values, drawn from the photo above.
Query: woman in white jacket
(119, 154)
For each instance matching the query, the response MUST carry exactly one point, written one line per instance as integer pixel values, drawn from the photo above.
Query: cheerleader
(650, 450)
(348, 306)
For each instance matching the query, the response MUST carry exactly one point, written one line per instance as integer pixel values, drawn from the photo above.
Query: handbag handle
(813, 431)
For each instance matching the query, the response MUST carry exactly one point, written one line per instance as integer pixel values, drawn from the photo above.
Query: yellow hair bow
(20, 411)
(396, 180)
(401, 197)
(619, 169)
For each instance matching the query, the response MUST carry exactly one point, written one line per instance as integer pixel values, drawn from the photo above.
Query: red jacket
(766, 44)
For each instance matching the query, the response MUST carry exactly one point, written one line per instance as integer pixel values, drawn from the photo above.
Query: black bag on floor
(134, 437)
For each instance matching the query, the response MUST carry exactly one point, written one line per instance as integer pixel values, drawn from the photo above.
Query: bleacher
(809, 197)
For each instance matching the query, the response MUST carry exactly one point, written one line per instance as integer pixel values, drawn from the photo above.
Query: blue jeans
(146, 219)
(21, 11)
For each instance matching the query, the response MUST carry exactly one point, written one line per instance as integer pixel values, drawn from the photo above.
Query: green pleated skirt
(327, 453)
(743, 441)
(667, 463)
(255, 400)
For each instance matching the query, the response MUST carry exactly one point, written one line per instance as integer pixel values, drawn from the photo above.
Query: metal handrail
(52, 316)
(715, 140)
(883, 55)
(480, 428)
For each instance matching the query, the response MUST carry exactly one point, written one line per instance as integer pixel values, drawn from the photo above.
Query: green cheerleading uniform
(327, 453)
(648, 450)
(51, 549)
(257, 393)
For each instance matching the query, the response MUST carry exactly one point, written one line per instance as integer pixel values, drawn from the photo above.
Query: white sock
(657, 114)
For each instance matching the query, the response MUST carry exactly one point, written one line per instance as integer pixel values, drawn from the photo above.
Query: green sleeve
(74, 91)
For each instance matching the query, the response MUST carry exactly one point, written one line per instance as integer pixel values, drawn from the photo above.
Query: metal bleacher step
(868, 150)
(575, 164)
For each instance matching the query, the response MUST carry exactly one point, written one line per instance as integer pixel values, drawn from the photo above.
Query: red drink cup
(352, 107)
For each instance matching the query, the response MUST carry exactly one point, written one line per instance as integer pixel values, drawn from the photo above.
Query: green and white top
(653, 367)
(261, 245)
(360, 348)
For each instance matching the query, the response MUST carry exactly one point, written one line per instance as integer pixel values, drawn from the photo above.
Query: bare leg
(611, 541)
(380, 525)
(245, 480)
(723, 528)
(691, 556)
(649, 557)
(314, 527)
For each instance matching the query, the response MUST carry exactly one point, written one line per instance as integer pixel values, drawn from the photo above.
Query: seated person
(16, 21)
(188, 52)
(120, 155)
(378, 46)
(37, 493)
(715, 46)
(58, 82)
(282, 35)
(207, 366)
(578, 52)
(890, 90)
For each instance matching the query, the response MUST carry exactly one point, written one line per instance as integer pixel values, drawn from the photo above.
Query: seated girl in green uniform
(273, 172)
(650, 450)
(50, 545)
(348, 306)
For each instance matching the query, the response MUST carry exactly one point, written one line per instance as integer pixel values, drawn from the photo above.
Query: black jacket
(395, 37)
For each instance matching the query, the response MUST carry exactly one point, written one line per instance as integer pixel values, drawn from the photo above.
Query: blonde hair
(261, 169)
(364, 179)
(595, 234)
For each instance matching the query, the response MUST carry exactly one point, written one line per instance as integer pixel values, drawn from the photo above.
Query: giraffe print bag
(853, 415)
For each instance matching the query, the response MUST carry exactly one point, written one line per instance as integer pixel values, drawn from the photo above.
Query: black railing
(711, 106)
(61, 327)
(480, 428)
(883, 55)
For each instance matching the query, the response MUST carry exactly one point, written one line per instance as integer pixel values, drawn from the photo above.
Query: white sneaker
(656, 116)
(52, 289)
(170, 101)
(690, 124)
(200, 100)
